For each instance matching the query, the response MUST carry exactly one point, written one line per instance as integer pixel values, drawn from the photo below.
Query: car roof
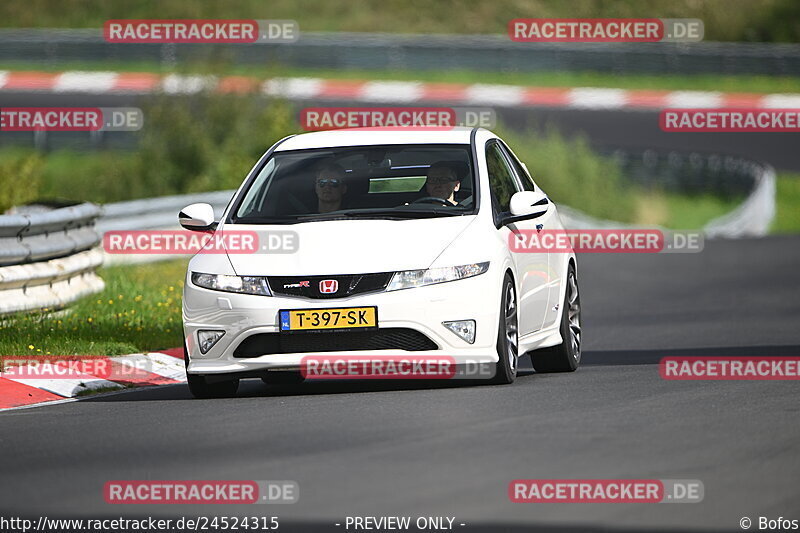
(372, 136)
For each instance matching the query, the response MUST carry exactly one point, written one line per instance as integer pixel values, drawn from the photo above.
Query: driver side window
(501, 179)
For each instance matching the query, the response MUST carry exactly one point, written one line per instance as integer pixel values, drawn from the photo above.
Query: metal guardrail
(698, 173)
(416, 52)
(162, 212)
(688, 172)
(37, 236)
(47, 258)
(753, 217)
(154, 213)
(723, 175)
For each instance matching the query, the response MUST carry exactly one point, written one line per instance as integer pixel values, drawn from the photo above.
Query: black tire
(508, 329)
(283, 378)
(200, 388)
(566, 356)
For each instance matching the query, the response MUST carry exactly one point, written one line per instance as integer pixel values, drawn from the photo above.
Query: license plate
(326, 319)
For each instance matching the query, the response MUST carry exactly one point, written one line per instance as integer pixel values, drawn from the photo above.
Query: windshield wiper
(399, 212)
(265, 220)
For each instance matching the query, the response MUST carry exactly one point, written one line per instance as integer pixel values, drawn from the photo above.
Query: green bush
(20, 178)
(779, 24)
(98, 176)
(570, 172)
(207, 141)
(725, 20)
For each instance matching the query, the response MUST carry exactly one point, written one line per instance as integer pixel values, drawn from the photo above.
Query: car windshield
(381, 181)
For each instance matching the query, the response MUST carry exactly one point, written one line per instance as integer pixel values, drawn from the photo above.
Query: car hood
(351, 246)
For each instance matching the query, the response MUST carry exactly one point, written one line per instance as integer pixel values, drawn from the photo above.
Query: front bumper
(421, 309)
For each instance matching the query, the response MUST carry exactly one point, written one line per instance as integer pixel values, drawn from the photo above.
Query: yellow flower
(31, 346)
(89, 319)
(110, 302)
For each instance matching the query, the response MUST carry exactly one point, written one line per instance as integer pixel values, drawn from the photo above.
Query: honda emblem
(328, 286)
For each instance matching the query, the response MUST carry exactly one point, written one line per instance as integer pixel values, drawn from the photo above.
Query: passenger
(330, 188)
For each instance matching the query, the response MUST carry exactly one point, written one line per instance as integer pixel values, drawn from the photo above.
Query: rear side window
(501, 179)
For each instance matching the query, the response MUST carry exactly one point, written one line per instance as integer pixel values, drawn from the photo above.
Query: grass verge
(787, 204)
(724, 20)
(695, 211)
(138, 311)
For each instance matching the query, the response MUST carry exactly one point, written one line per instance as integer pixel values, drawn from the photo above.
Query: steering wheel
(432, 200)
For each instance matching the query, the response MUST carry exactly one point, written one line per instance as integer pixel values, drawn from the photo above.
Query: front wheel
(566, 356)
(200, 388)
(507, 336)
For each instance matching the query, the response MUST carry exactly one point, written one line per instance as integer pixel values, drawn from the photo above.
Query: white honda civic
(398, 246)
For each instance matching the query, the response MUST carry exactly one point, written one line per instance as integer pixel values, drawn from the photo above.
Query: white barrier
(47, 257)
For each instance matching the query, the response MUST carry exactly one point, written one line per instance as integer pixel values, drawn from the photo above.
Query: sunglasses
(329, 182)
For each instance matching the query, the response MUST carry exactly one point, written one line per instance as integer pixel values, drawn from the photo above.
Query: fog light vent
(463, 328)
(208, 338)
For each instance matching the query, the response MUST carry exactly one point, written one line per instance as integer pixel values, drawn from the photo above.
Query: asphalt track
(397, 448)
(372, 449)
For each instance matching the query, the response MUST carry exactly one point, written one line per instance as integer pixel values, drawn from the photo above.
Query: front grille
(346, 285)
(381, 339)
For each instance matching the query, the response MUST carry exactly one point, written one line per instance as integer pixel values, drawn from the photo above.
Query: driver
(442, 182)
(330, 188)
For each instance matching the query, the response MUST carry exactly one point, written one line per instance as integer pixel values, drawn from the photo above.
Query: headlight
(419, 278)
(241, 284)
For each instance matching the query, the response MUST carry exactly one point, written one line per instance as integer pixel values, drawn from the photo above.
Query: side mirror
(529, 203)
(197, 217)
(525, 205)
